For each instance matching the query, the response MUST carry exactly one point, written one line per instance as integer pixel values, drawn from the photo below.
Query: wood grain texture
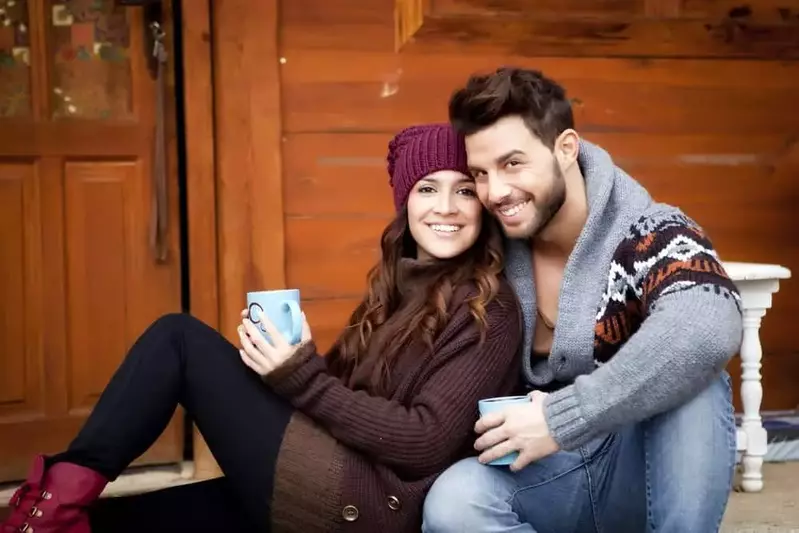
(327, 319)
(90, 284)
(651, 28)
(248, 153)
(200, 162)
(712, 136)
(370, 91)
(204, 282)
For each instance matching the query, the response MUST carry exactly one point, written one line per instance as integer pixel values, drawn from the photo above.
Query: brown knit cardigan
(351, 462)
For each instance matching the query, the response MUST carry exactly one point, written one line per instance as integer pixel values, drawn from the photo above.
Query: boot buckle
(35, 512)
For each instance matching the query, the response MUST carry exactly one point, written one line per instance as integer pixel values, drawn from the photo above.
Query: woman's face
(444, 214)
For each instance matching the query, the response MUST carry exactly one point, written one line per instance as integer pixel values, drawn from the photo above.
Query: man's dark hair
(538, 100)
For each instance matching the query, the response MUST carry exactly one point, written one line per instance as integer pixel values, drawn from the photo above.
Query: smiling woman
(444, 214)
(307, 442)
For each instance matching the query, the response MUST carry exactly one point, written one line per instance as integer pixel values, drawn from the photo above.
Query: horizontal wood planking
(333, 82)
(774, 10)
(757, 10)
(327, 319)
(329, 258)
(315, 24)
(635, 28)
(334, 175)
(740, 189)
(586, 8)
(572, 37)
(716, 140)
(693, 29)
(368, 92)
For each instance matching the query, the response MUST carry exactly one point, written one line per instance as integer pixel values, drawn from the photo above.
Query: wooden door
(79, 280)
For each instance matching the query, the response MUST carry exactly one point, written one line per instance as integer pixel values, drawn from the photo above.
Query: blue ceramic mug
(490, 405)
(281, 307)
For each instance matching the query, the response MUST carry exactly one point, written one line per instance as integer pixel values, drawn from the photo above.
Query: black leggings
(180, 360)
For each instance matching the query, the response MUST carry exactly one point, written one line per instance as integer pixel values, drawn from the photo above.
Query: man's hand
(521, 428)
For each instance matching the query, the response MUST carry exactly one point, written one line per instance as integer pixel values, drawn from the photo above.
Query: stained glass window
(91, 75)
(15, 79)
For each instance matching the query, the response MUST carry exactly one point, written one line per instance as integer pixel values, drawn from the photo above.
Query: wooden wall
(307, 94)
(712, 136)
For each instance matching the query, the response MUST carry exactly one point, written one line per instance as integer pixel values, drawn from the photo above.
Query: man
(630, 320)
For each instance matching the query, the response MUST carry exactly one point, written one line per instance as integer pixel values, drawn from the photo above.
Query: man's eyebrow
(505, 157)
(499, 160)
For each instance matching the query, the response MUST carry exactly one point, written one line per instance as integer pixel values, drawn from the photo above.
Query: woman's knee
(174, 331)
(464, 496)
(176, 327)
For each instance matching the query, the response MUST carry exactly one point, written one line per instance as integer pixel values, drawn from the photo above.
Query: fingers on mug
(255, 312)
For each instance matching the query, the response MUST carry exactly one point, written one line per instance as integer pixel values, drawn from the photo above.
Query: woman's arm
(421, 437)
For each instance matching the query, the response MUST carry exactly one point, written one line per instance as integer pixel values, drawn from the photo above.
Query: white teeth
(445, 228)
(513, 210)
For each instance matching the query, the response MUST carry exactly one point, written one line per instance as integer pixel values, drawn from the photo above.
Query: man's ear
(567, 148)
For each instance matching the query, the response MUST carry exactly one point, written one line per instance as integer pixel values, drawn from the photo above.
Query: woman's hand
(261, 356)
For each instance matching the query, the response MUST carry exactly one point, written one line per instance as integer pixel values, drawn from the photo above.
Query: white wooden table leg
(757, 283)
(751, 397)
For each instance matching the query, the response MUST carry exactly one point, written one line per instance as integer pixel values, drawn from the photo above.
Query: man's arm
(691, 328)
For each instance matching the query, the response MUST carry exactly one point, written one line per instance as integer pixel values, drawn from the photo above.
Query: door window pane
(91, 75)
(15, 78)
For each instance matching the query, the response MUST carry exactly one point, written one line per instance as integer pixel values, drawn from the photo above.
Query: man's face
(517, 177)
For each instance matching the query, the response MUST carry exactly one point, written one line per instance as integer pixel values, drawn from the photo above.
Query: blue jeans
(670, 474)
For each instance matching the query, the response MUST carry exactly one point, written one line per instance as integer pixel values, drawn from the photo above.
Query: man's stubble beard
(545, 213)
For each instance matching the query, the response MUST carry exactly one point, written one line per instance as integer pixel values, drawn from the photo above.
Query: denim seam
(732, 437)
(584, 464)
(591, 498)
(550, 480)
(650, 519)
(732, 440)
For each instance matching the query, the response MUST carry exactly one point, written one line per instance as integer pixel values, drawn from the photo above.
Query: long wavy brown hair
(392, 315)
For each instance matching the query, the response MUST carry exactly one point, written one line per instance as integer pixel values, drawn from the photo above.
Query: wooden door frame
(233, 130)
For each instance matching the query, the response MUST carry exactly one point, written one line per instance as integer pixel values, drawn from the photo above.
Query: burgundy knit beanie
(418, 151)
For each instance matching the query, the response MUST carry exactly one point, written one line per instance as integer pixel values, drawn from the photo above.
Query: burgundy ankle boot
(54, 499)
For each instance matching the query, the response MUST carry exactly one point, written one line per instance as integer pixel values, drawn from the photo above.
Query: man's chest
(548, 276)
(614, 320)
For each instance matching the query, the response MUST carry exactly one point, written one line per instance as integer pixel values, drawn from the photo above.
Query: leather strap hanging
(160, 213)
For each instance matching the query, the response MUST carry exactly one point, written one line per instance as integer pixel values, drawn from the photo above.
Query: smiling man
(630, 321)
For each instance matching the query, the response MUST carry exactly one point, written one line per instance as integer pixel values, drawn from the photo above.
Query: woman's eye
(426, 189)
(467, 192)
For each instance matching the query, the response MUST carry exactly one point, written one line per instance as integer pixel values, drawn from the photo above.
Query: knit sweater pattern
(352, 461)
(647, 315)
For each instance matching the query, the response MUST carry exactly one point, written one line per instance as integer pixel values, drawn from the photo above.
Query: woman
(347, 442)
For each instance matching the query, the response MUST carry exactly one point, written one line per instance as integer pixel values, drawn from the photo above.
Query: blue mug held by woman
(282, 308)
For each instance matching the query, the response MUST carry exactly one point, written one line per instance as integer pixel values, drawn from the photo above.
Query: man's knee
(461, 497)
(691, 459)
(705, 423)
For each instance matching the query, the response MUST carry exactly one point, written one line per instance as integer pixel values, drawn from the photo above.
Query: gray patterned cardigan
(647, 315)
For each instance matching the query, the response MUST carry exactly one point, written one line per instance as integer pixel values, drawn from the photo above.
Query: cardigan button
(394, 503)
(350, 513)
